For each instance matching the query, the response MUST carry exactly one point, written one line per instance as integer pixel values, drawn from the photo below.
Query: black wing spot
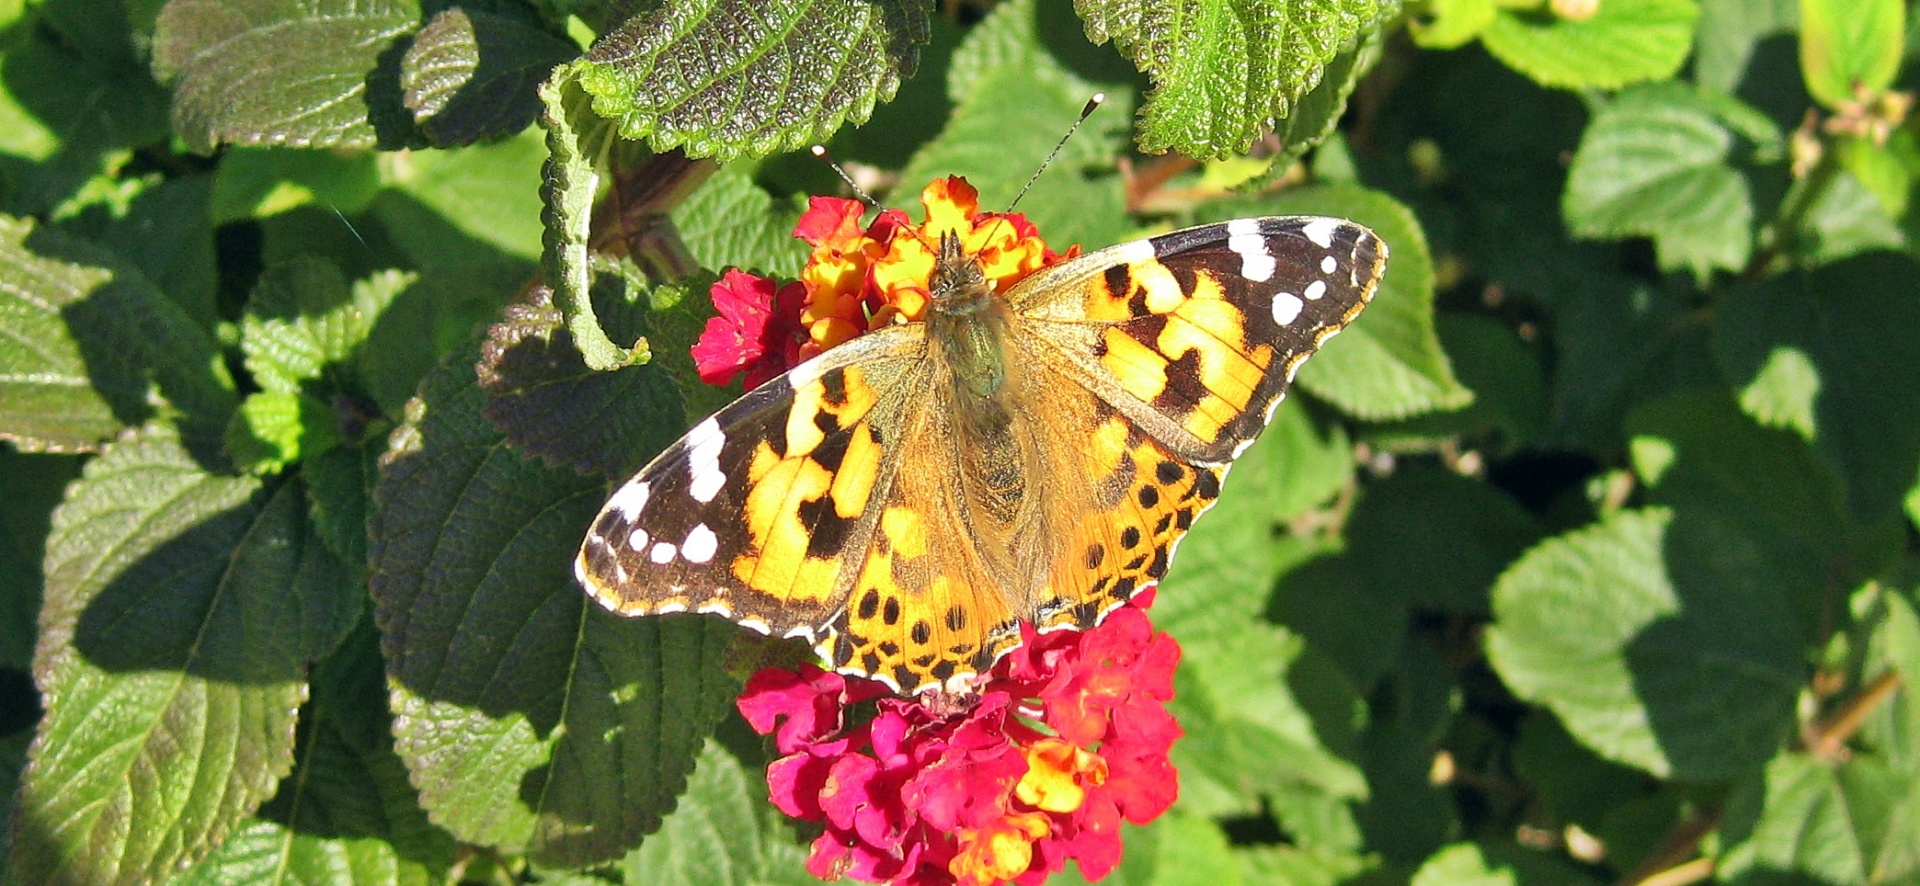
(1185, 519)
(1096, 555)
(1123, 589)
(1168, 472)
(922, 633)
(1207, 483)
(1130, 537)
(956, 618)
(891, 612)
(829, 532)
(944, 671)
(889, 648)
(869, 604)
(1119, 279)
(1158, 569)
(1149, 496)
(1165, 522)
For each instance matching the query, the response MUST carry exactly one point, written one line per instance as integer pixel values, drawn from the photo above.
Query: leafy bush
(1587, 555)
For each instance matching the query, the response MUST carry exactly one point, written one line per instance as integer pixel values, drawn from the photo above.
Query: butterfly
(905, 500)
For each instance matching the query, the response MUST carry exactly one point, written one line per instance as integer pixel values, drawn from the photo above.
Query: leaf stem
(568, 184)
(1784, 232)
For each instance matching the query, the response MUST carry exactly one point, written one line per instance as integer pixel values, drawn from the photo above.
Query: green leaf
(731, 222)
(88, 340)
(549, 404)
(340, 490)
(346, 814)
(1175, 850)
(1248, 737)
(182, 609)
(1879, 169)
(1451, 24)
(1654, 648)
(1812, 821)
(304, 323)
(731, 78)
(1318, 458)
(471, 74)
(1389, 363)
(1508, 384)
(1574, 785)
(1846, 219)
(1442, 537)
(488, 193)
(1624, 42)
(1892, 649)
(1733, 39)
(1461, 864)
(1316, 115)
(534, 720)
(1816, 351)
(273, 429)
(259, 182)
(1654, 162)
(996, 143)
(722, 833)
(236, 82)
(1619, 343)
(75, 100)
(1849, 44)
(167, 234)
(1223, 70)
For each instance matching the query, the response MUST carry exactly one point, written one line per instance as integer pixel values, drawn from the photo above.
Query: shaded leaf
(168, 234)
(1654, 162)
(273, 429)
(489, 193)
(1812, 351)
(731, 78)
(235, 82)
(346, 814)
(997, 144)
(542, 396)
(259, 182)
(1388, 364)
(1626, 41)
(731, 222)
(471, 74)
(304, 323)
(30, 487)
(1223, 70)
(722, 832)
(1442, 537)
(1655, 649)
(340, 491)
(181, 611)
(534, 720)
(1451, 24)
(87, 345)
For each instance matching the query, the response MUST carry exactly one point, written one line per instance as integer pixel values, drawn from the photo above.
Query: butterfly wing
(1195, 335)
(748, 515)
(1186, 343)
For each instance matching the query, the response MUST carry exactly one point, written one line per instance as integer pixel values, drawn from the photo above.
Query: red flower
(1065, 737)
(757, 332)
(857, 279)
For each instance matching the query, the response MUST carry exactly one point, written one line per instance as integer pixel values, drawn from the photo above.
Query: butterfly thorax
(970, 336)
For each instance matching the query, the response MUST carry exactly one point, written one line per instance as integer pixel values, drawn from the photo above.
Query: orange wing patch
(1186, 352)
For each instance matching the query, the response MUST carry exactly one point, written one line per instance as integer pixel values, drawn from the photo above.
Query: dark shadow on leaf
(505, 59)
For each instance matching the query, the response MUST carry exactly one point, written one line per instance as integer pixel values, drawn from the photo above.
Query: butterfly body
(907, 499)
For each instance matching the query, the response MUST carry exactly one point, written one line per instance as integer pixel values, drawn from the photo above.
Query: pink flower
(1066, 737)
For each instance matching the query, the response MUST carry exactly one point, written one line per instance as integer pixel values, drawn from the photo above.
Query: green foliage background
(1587, 555)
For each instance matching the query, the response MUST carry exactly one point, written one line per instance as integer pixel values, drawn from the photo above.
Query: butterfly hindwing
(751, 514)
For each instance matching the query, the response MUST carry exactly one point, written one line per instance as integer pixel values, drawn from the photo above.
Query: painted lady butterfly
(904, 500)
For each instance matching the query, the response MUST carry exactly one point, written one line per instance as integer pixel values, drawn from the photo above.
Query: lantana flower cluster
(1062, 740)
(857, 279)
(1066, 737)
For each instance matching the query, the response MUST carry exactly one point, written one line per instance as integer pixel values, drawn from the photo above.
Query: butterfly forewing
(827, 502)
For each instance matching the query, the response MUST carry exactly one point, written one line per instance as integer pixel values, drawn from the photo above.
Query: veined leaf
(471, 74)
(534, 720)
(1223, 70)
(299, 73)
(733, 78)
(1626, 41)
(1846, 44)
(181, 611)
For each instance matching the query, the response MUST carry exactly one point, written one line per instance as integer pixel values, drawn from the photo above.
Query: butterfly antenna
(1093, 104)
(821, 152)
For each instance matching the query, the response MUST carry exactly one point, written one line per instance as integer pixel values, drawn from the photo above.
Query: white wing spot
(670, 608)
(1320, 231)
(1286, 308)
(1316, 289)
(637, 539)
(716, 607)
(630, 500)
(755, 625)
(662, 553)
(700, 544)
(1329, 264)
(1243, 237)
(703, 460)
